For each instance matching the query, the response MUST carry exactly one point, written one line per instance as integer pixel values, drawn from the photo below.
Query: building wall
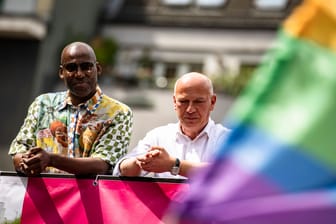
(212, 51)
(18, 61)
(178, 38)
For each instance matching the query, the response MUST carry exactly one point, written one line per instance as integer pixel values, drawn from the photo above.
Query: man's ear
(60, 72)
(213, 101)
(174, 101)
(99, 68)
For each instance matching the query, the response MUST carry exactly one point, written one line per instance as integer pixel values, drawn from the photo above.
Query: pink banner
(76, 200)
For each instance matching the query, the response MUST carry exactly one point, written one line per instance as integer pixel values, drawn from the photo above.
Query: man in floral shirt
(79, 131)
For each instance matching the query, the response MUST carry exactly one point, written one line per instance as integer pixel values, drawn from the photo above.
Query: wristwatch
(175, 170)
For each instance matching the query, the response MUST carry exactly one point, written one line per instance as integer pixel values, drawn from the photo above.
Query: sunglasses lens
(71, 67)
(86, 66)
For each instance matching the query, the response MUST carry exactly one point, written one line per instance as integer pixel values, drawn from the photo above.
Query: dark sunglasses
(73, 67)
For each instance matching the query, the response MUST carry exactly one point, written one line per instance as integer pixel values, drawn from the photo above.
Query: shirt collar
(90, 105)
(206, 130)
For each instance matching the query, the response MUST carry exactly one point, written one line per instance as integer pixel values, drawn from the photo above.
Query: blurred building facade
(166, 38)
(23, 26)
(157, 39)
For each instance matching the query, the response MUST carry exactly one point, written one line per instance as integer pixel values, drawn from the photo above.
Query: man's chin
(81, 86)
(191, 123)
(81, 89)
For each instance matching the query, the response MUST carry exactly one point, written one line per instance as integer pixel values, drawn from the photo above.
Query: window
(18, 6)
(177, 2)
(211, 3)
(196, 67)
(270, 4)
(170, 70)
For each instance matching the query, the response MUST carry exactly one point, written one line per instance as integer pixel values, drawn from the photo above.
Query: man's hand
(156, 160)
(34, 161)
(146, 158)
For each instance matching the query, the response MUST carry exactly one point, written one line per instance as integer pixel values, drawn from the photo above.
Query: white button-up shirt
(170, 137)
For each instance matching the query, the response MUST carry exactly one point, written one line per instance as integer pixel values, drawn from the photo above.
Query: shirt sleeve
(141, 148)
(26, 136)
(115, 140)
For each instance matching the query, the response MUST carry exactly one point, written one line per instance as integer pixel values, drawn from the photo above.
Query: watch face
(175, 170)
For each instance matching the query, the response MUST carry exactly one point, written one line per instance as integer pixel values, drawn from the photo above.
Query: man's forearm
(79, 165)
(187, 166)
(128, 167)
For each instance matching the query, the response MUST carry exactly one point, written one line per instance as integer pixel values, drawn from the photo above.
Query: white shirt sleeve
(141, 148)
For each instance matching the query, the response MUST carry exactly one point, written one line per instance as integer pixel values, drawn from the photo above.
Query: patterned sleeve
(26, 135)
(115, 140)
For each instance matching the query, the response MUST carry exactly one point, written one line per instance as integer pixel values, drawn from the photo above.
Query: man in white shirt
(171, 151)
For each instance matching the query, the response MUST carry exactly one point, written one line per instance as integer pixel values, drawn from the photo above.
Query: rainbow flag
(279, 164)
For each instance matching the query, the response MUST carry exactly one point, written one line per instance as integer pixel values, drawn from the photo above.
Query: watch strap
(177, 162)
(175, 170)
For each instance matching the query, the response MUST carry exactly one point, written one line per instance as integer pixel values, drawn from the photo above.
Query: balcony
(24, 19)
(232, 14)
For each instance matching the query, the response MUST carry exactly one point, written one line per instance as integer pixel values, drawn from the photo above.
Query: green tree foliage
(106, 50)
(233, 85)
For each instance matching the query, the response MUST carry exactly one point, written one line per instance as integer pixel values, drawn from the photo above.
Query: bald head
(194, 79)
(193, 101)
(79, 70)
(75, 48)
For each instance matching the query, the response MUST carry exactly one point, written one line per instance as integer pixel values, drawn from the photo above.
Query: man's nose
(190, 108)
(79, 73)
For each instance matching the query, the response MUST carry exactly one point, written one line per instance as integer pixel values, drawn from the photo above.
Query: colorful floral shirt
(101, 127)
